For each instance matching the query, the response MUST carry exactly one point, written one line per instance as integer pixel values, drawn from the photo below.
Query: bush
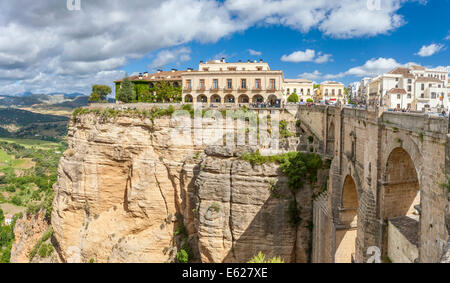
(293, 98)
(261, 258)
(182, 256)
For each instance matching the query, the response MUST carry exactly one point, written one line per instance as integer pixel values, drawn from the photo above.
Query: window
(409, 81)
(205, 69)
(229, 84)
(188, 84)
(398, 96)
(423, 87)
(258, 84)
(309, 91)
(295, 90)
(409, 88)
(202, 84)
(409, 95)
(259, 68)
(433, 95)
(215, 84)
(231, 68)
(243, 84)
(333, 92)
(340, 92)
(422, 95)
(272, 84)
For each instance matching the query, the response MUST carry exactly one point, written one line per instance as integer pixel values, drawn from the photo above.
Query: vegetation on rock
(261, 258)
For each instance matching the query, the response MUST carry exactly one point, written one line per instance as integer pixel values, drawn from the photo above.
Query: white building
(303, 88)
(414, 88)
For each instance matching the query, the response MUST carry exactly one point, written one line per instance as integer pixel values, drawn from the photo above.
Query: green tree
(309, 100)
(316, 86)
(293, 98)
(99, 93)
(165, 92)
(127, 92)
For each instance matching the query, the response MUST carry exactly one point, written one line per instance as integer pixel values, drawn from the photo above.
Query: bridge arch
(400, 200)
(346, 230)
(331, 139)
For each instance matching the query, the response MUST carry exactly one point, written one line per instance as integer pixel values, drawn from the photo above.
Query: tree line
(129, 92)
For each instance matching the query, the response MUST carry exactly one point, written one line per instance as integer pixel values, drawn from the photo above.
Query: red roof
(167, 76)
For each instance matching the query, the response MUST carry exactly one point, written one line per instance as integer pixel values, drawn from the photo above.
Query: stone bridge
(385, 186)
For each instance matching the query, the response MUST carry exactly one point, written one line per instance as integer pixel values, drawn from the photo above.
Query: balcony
(187, 88)
(243, 89)
(271, 89)
(201, 88)
(257, 88)
(214, 89)
(228, 89)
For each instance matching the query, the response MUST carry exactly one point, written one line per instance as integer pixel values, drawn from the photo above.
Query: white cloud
(371, 68)
(169, 56)
(429, 50)
(254, 52)
(308, 55)
(311, 76)
(45, 46)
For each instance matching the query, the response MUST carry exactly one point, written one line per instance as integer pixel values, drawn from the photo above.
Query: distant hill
(44, 99)
(19, 123)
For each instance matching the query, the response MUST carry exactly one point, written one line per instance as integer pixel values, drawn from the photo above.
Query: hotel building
(218, 82)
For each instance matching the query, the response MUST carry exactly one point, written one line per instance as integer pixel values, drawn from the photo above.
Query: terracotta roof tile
(397, 91)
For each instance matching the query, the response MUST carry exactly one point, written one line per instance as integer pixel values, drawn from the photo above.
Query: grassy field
(9, 208)
(28, 143)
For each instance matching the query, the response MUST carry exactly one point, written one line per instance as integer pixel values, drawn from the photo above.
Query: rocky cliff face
(124, 190)
(27, 232)
(242, 209)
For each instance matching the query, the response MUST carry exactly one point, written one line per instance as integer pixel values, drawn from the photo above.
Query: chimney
(201, 62)
(240, 61)
(223, 60)
(174, 70)
(190, 69)
(145, 74)
(159, 71)
(140, 76)
(248, 61)
(260, 60)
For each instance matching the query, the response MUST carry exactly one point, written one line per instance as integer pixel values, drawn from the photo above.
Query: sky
(50, 46)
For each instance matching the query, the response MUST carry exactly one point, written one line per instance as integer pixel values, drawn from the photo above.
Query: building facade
(173, 77)
(414, 88)
(333, 92)
(218, 82)
(303, 88)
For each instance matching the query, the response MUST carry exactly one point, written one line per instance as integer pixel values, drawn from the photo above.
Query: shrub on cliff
(182, 256)
(261, 258)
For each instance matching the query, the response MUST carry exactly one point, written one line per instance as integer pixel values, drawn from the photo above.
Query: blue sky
(425, 24)
(50, 48)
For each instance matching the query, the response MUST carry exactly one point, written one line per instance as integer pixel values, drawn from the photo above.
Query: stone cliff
(125, 193)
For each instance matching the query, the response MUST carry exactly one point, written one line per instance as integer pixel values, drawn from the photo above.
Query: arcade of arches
(400, 198)
(230, 99)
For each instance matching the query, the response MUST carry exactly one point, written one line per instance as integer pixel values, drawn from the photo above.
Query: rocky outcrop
(242, 209)
(28, 231)
(124, 190)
